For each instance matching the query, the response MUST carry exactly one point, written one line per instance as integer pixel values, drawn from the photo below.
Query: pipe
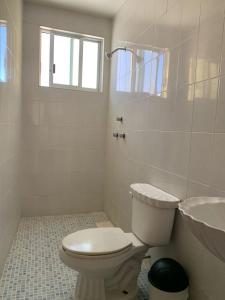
(110, 54)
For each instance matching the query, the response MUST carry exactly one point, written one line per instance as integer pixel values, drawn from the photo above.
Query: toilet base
(121, 286)
(89, 288)
(113, 295)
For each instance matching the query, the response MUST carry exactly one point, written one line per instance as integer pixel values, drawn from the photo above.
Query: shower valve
(119, 119)
(122, 135)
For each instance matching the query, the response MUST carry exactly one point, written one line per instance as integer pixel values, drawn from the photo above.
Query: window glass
(90, 64)
(45, 58)
(76, 57)
(62, 60)
(3, 52)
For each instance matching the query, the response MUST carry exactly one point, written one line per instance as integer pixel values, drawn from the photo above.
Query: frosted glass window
(69, 60)
(90, 65)
(3, 52)
(45, 58)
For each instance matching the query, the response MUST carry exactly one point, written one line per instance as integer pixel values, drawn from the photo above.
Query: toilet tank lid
(153, 196)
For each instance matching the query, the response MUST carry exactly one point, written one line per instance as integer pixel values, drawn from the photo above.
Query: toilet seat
(97, 242)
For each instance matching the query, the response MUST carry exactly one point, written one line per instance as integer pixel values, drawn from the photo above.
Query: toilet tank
(153, 212)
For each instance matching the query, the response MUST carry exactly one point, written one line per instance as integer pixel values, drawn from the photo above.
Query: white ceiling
(106, 8)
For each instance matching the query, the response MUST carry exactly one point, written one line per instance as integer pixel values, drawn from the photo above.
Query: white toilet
(109, 260)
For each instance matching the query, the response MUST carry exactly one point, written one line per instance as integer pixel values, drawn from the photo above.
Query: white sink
(205, 216)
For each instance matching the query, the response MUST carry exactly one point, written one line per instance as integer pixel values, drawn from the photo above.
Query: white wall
(176, 139)
(64, 130)
(10, 120)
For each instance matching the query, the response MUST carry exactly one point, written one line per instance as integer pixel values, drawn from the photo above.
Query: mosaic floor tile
(33, 270)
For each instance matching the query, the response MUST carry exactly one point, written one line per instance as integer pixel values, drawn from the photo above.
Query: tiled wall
(10, 119)
(172, 99)
(64, 130)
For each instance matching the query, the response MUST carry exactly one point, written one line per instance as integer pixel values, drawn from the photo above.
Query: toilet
(108, 259)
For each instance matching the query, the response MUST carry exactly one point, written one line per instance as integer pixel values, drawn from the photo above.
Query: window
(70, 60)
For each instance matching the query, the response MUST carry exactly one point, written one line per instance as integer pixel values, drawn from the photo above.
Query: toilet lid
(96, 241)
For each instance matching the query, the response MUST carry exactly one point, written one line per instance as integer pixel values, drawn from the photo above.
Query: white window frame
(82, 38)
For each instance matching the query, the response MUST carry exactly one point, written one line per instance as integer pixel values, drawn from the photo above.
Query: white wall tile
(220, 113)
(174, 152)
(200, 167)
(205, 104)
(176, 111)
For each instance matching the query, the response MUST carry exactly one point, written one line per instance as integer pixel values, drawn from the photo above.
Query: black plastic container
(168, 276)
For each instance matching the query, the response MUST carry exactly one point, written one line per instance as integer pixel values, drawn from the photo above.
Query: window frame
(82, 38)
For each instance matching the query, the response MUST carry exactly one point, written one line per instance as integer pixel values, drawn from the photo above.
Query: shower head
(110, 54)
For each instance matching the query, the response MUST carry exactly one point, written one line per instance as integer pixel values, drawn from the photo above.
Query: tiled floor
(33, 270)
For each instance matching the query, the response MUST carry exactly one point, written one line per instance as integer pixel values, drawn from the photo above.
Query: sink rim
(187, 204)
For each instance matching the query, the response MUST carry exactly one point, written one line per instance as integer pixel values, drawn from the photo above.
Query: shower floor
(33, 270)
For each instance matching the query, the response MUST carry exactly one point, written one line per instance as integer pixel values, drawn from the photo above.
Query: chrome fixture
(119, 119)
(110, 54)
(122, 135)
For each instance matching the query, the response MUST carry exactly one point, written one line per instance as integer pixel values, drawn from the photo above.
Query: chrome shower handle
(122, 135)
(119, 119)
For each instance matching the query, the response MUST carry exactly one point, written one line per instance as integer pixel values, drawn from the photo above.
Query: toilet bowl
(108, 259)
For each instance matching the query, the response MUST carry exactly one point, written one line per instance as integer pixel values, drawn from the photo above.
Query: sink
(205, 217)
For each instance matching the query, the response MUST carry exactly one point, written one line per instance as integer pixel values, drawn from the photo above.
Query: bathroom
(96, 96)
